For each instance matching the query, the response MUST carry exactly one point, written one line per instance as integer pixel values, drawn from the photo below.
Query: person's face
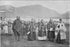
(50, 21)
(18, 17)
(60, 21)
(0, 18)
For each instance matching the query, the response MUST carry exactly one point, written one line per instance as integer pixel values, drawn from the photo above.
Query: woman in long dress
(32, 32)
(61, 35)
(5, 28)
(42, 31)
(51, 30)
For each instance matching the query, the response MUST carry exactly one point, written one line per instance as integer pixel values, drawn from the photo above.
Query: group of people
(5, 26)
(39, 30)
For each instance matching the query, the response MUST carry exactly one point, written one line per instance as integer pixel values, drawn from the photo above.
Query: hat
(18, 17)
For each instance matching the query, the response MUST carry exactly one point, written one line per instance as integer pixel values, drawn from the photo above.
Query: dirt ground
(9, 41)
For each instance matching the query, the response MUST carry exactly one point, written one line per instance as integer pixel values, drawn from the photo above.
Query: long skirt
(58, 40)
(0, 30)
(61, 37)
(5, 29)
(32, 36)
(51, 35)
(29, 37)
(48, 34)
(40, 33)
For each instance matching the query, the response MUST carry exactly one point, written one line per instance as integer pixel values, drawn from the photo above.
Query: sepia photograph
(34, 23)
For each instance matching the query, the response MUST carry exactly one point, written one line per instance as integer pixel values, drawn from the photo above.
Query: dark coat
(51, 34)
(17, 25)
(51, 25)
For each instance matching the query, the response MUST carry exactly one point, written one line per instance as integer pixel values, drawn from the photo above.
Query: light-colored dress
(5, 27)
(62, 30)
(44, 37)
(36, 33)
(0, 26)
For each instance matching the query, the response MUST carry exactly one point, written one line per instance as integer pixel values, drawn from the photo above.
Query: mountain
(36, 11)
(66, 15)
(7, 11)
(31, 11)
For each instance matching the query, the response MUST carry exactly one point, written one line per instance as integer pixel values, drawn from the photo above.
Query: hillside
(36, 11)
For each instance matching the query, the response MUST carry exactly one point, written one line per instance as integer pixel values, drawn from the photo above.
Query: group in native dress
(36, 30)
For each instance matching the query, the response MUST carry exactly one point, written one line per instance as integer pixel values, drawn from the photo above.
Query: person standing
(42, 30)
(32, 32)
(16, 27)
(0, 24)
(5, 27)
(36, 31)
(61, 36)
(51, 30)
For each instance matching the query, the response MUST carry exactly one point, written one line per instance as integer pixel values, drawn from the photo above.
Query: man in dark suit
(16, 27)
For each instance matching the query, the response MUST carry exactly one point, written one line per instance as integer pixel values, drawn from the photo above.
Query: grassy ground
(9, 41)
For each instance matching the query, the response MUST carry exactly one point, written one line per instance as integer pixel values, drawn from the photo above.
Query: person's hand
(51, 29)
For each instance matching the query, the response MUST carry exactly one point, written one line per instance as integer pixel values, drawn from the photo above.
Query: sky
(59, 6)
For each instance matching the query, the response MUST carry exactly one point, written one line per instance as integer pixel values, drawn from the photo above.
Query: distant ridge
(8, 11)
(32, 11)
(66, 15)
(36, 11)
